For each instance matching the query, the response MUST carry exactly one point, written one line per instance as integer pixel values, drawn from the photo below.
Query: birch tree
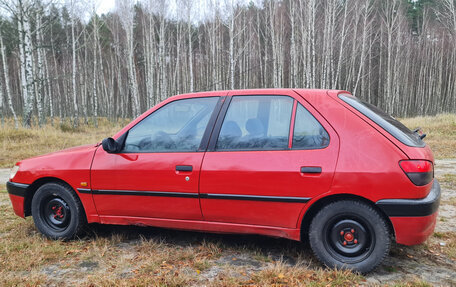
(74, 66)
(7, 81)
(127, 14)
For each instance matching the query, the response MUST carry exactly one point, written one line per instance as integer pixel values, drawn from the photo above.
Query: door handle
(187, 168)
(310, 169)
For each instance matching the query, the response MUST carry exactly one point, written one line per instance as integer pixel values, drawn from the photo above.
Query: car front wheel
(57, 211)
(349, 235)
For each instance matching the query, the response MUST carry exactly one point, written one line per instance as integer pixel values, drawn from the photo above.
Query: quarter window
(178, 126)
(308, 132)
(387, 122)
(256, 123)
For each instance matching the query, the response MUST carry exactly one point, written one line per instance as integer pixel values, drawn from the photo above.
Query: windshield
(387, 122)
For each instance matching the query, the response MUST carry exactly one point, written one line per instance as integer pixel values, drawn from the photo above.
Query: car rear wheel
(349, 235)
(57, 211)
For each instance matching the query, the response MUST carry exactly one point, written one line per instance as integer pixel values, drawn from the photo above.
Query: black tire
(57, 211)
(351, 235)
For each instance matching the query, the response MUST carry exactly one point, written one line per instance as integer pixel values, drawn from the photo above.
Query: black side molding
(412, 207)
(196, 195)
(17, 189)
(255, 197)
(84, 190)
(310, 169)
(146, 193)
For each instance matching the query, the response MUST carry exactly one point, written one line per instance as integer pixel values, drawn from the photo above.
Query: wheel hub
(56, 213)
(348, 238)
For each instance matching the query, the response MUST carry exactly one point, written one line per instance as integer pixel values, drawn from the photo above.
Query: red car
(300, 164)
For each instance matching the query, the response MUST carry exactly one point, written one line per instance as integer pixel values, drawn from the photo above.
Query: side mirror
(110, 145)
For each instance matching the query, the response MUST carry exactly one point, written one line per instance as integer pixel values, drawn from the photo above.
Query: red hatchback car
(300, 164)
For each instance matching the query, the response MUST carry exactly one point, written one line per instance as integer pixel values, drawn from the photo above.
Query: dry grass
(440, 131)
(133, 256)
(415, 283)
(448, 180)
(17, 144)
(446, 243)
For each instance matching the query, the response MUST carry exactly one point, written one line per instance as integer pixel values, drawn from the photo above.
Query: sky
(105, 6)
(201, 7)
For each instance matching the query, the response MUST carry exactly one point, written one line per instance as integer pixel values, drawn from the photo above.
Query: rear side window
(308, 132)
(256, 123)
(387, 122)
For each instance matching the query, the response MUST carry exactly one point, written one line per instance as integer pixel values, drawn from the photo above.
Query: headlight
(14, 171)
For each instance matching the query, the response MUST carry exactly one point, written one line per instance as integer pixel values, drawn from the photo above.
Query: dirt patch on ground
(128, 255)
(445, 166)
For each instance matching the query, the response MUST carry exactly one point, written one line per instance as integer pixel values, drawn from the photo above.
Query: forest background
(65, 61)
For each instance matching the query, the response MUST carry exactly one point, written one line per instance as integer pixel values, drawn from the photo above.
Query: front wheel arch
(37, 184)
(322, 202)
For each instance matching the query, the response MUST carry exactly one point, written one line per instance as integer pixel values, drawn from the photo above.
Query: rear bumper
(17, 195)
(413, 219)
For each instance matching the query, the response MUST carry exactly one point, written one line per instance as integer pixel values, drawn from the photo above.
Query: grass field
(440, 133)
(17, 144)
(139, 256)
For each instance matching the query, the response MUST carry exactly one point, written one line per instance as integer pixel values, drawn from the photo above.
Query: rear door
(269, 154)
(157, 172)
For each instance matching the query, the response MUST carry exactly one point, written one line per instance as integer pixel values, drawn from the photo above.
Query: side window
(256, 123)
(308, 132)
(177, 126)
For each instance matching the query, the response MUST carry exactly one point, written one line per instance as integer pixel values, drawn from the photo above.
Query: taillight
(420, 172)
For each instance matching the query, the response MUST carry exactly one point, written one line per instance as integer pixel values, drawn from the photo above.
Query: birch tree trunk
(95, 66)
(190, 43)
(293, 53)
(231, 51)
(127, 22)
(73, 75)
(7, 82)
(25, 42)
(39, 74)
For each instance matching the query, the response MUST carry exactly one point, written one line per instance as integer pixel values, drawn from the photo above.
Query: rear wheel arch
(31, 190)
(324, 201)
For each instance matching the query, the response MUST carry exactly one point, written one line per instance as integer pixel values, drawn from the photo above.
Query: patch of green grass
(390, 269)
(438, 235)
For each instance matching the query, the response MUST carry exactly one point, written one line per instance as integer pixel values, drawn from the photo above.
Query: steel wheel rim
(56, 213)
(349, 238)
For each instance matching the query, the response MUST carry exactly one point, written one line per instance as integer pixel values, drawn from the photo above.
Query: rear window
(387, 122)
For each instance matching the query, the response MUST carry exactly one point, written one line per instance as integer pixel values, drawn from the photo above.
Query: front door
(156, 175)
(257, 170)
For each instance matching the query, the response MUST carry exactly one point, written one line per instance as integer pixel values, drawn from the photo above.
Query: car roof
(246, 92)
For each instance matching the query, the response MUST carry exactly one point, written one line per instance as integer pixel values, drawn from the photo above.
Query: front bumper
(17, 196)
(413, 219)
